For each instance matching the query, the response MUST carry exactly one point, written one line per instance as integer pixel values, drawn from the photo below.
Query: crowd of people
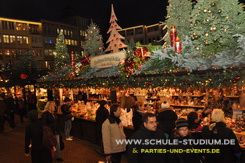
(43, 136)
(165, 124)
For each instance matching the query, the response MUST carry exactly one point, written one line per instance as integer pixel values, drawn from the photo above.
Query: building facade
(74, 30)
(17, 37)
(146, 34)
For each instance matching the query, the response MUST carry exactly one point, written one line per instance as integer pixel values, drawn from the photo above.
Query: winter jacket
(9, 102)
(2, 108)
(101, 115)
(66, 112)
(51, 121)
(143, 134)
(112, 131)
(227, 152)
(137, 120)
(175, 157)
(167, 120)
(33, 136)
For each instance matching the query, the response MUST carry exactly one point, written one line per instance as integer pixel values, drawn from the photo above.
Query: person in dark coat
(81, 96)
(31, 100)
(182, 132)
(205, 113)
(193, 123)
(102, 114)
(138, 114)
(148, 131)
(33, 140)
(9, 112)
(2, 113)
(166, 118)
(67, 116)
(218, 130)
(21, 110)
(50, 120)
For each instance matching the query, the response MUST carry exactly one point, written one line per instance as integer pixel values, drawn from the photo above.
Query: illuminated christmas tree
(62, 58)
(179, 12)
(115, 38)
(214, 22)
(94, 45)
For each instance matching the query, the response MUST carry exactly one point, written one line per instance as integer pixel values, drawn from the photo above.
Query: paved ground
(76, 151)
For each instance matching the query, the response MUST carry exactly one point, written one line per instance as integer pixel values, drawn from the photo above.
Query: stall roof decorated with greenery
(210, 54)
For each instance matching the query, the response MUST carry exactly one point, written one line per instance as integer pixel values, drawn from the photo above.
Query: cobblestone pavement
(76, 151)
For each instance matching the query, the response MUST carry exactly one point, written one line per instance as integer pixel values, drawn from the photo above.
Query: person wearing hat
(102, 114)
(182, 132)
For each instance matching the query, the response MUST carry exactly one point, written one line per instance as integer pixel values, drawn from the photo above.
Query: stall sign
(107, 60)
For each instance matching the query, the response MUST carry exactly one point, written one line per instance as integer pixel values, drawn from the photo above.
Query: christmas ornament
(178, 46)
(23, 76)
(212, 4)
(206, 34)
(219, 10)
(173, 35)
(197, 48)
(205, 10)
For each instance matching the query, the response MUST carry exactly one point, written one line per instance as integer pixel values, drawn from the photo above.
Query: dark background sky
(129, 12)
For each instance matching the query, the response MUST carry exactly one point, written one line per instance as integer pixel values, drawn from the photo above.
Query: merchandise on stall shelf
(126, 117)
(87, 111)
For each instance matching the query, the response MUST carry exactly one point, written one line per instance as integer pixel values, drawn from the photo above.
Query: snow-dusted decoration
(166, 58)
(231, 57)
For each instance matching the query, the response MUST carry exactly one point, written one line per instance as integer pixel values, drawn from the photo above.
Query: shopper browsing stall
(218, 130)
(112, 130)
(65, 108)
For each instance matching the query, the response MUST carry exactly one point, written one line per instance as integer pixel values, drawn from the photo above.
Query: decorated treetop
(94, 44)
(62, 57)
(115, 38)
(179, 12)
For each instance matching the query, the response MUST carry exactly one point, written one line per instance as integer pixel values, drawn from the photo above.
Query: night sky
(129, 12)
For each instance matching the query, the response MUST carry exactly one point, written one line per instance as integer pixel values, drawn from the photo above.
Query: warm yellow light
(20, 21)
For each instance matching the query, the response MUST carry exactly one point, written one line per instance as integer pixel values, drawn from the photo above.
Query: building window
(34, 28)
(19, 39)
(21, 26)
(138, 31)
(12, 39)
(6, 52)
(82, 33)
(8, 25)
(6, 38)
(152, 29)
(25, 40)
(130, 32)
